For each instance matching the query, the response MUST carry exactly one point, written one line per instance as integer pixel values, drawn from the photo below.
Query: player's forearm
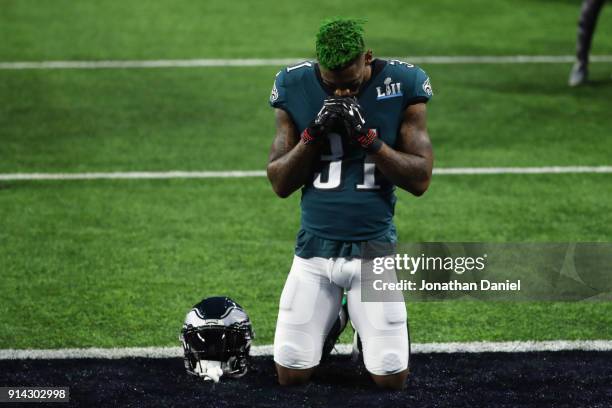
(407, 171)
(291, 171)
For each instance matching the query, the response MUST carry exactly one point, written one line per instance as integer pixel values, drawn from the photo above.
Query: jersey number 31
(334, 177)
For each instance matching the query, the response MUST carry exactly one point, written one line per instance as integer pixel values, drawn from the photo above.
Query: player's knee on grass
(289, 376)
(391, 382)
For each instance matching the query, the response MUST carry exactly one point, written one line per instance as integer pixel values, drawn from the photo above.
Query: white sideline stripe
(262, 173)
(133, 175)
(343, 349)
(524, 170)
(263, 62)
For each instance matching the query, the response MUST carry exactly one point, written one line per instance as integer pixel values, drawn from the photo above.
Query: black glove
(354, 122)
(330, 112)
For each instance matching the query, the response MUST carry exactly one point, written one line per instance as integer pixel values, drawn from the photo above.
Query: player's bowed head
(343, 59)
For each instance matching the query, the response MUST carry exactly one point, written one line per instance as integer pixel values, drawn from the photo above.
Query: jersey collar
(377, 66)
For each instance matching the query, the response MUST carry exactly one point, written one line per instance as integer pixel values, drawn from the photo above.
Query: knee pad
(386, 344)
(386, 355)
(295, 349)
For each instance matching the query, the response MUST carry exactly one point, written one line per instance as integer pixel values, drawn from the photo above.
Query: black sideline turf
(550, 379)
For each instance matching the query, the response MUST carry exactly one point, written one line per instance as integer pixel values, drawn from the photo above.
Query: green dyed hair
(339, 41)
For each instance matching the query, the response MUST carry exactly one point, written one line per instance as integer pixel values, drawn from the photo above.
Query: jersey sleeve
(419, 86)
(278, 96)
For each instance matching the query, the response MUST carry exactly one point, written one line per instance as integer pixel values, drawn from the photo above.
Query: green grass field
(118, 263)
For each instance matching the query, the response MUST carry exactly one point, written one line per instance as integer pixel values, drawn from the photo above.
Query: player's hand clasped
(322, 123)
(354, 122)
(350, 114)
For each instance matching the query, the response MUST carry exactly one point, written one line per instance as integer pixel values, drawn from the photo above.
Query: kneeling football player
(349, 128)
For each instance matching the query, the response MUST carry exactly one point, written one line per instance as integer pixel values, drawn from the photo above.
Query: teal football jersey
(347, 198)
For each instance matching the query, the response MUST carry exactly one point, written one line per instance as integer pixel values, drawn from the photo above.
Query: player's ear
(368, 57)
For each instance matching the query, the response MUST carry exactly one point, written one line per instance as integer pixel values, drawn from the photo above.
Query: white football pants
(310, 303)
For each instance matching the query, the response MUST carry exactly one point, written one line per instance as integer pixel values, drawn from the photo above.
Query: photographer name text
(450, 286)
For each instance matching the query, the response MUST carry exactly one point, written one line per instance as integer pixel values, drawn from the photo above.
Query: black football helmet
(217, 329)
